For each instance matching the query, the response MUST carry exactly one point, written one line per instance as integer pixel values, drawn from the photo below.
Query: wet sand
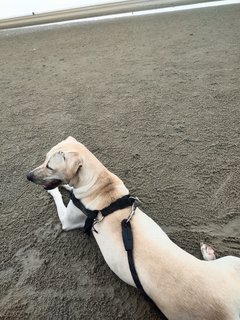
(156, 98)
(129, 6)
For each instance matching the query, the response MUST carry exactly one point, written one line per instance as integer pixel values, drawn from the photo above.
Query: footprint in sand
(50, 229)
(226, 199)
(31, 262)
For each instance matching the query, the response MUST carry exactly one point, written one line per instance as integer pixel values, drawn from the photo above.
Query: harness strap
(128, 244)
(121, 203)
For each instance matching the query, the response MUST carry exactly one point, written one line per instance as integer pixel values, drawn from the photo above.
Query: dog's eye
(47, 166)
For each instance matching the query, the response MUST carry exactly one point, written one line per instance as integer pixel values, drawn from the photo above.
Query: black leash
(128, 244)
(122, 203)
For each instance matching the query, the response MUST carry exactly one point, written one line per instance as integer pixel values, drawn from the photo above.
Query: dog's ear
(74, 162)
(70, 139)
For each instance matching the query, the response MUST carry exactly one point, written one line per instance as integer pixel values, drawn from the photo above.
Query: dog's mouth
(52, 184)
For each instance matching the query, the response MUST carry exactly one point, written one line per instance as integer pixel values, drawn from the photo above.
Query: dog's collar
(121, 203)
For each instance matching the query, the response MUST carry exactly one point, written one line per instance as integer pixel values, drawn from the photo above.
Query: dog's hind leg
(71, 217)
(207, 252)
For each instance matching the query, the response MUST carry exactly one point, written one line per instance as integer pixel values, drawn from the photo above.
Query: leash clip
(137, 200)
(133, 209)
(97, 221)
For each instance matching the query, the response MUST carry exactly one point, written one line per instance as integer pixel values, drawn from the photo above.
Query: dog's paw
(54, 193)
(67, 187)
(207, 252)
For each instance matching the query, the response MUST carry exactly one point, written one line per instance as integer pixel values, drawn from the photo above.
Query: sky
(15, 8)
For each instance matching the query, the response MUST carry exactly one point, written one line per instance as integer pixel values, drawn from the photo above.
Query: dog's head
(61, 165)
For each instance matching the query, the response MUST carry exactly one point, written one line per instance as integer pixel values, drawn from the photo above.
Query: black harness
(122, 203)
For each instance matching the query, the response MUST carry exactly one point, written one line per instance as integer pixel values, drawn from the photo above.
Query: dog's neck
(96, 186)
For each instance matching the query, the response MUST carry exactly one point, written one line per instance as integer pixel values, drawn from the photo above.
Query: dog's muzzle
(47, 184)
(30, 176)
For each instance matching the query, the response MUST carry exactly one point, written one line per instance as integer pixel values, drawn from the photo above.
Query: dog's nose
(30, 176)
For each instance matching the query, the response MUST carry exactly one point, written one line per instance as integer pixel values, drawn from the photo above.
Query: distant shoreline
(90, 11)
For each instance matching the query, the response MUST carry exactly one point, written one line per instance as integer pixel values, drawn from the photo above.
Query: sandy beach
(156, 99)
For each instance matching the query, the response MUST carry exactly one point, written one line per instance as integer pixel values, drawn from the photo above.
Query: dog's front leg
(70, 216)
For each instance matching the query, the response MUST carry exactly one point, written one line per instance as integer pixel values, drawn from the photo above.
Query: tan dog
(182, 286)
